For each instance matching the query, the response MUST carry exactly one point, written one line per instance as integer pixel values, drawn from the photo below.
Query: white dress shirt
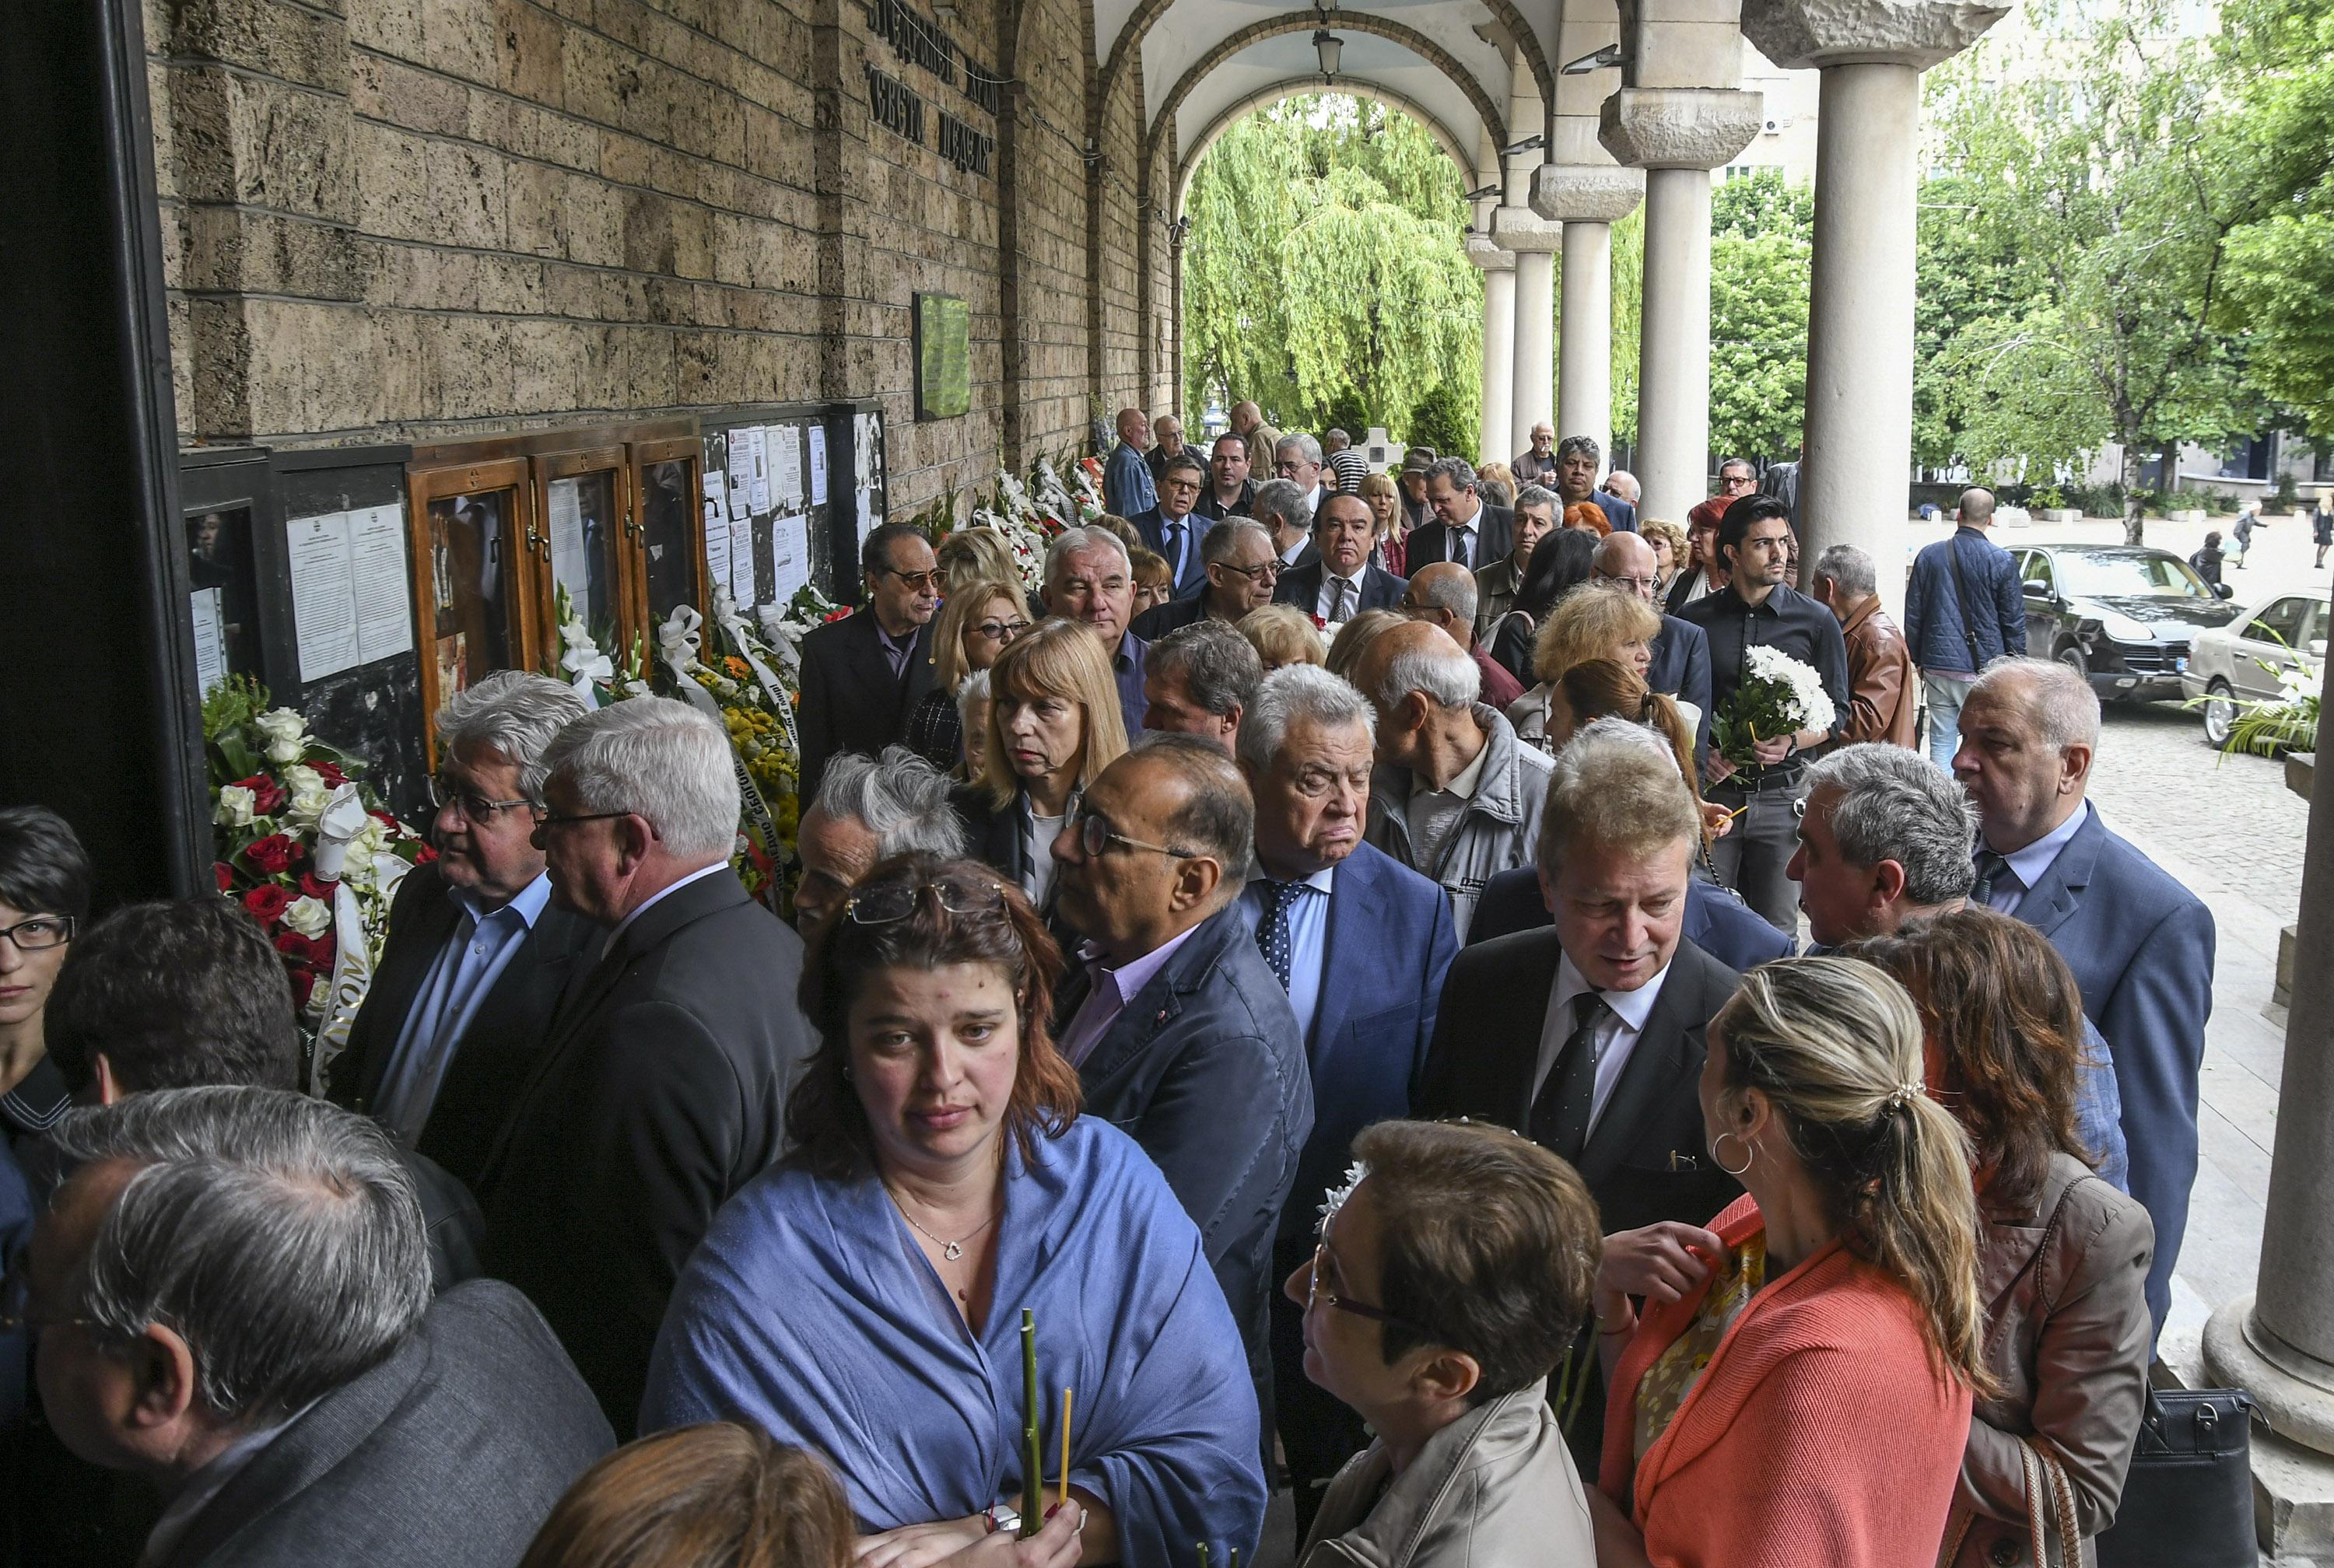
(2032, 863)
(1325, 604)
(1616, 1034)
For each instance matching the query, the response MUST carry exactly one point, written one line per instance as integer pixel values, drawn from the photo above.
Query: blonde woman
(1592, 623)
(1384, 497)
(980, 621)
(1670, 550)
(1053, 724)
(1154, 580)
(974, 555)
(1345, 652)
(1797, 1388)
(1281, 634)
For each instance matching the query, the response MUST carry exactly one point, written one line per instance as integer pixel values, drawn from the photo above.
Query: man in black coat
(1339, 582)
(478, 955)
(1465, 528)
(1589, 1035)
(1179, 1031)
(266, 1349)
(662, 1082)
(862, 675)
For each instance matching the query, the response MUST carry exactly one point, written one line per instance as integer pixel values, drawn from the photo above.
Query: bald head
(1246, 416)
(1443, 595)
(1623, 560)
(1977, 507)
(1134, 428)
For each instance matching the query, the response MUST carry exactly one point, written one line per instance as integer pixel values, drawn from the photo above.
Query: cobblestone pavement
(2160, 785)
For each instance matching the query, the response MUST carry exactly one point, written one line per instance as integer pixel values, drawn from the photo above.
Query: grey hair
(1540, 495)
(1458, 470)
(1216, 664)
(1444, 676)
(1571, 444)
(1898, 806)
(1615, 785)
(973, 688)
(901, 799)
(1451, 591)
(1745, 463)
(1295, 691)
(2063, 706)
(1222, 542)
(1219, 818)
(1184, 461)
(515, 714)
(658, 759)
(279, 1235)
(1284, 500)
(1070, 541)
(1851, 568)
(1307, 447)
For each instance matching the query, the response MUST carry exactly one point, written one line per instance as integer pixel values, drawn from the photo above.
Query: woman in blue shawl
(865, 1297)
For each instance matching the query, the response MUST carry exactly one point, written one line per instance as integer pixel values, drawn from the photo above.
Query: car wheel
(2072, 655)
(2219, 714)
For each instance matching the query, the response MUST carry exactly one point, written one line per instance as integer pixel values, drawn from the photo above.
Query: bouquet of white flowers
(1778, 696)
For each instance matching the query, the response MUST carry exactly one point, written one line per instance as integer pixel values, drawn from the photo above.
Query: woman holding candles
(865, 1297)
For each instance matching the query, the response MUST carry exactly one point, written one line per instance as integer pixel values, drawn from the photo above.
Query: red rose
(273, 854)
(1318, 624)
(331, 774)
(267, 901)
(303, 982)
(314, 888)
(426, 854)
(267, 796)
(323, 949)
(384, 817)
(226, 874)
(296, 947)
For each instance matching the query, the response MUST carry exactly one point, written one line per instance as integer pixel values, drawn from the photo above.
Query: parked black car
(2123, 615)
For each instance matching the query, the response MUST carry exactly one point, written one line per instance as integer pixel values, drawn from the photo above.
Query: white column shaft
(1499, 361)
(1535, 340)
(1674, 354)
(1859, 447)
(1584, 380)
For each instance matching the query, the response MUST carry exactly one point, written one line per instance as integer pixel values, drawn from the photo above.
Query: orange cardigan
(1819, 1434)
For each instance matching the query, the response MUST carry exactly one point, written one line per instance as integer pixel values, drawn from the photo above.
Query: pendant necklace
(951, 1250)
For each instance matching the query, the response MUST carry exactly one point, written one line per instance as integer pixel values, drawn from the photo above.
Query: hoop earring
(1749, 1153)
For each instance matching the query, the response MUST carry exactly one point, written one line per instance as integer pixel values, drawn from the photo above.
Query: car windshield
(2102, 572)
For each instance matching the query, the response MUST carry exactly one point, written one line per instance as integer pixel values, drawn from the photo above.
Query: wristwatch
(1002, 1516)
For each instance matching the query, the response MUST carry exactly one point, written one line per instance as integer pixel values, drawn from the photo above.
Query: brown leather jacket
(1879, 678)
(2066, 1338)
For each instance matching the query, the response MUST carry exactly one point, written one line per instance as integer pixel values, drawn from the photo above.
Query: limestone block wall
(427, 219)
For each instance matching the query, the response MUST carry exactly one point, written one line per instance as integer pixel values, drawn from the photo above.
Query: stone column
(1532, 240)
(1677, 135)
(1587, 199)
(1498, 341)
(1857, 450)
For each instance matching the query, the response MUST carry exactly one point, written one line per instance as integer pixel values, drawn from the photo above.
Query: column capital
(1680, 127)
(1517, 229)
(1587, 192)
(1485, 254)
(1798, 34)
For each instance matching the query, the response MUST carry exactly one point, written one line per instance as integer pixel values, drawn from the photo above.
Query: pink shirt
(1113, 990)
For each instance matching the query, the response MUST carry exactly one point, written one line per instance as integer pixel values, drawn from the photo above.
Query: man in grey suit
(661, 1084)
(235, 1297)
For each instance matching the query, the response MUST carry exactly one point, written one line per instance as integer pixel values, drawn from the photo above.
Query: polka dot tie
(1272, 931)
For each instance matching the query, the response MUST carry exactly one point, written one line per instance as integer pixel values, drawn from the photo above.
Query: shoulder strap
(1962, 599)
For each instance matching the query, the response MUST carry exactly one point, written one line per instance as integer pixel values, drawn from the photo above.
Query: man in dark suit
(1465, 529)
(863, 676)
(1179, 1031)
(477, 955)
(2140, 944)
(1170, 529)
(1238, 566)
(1681, 666)
(281, 1371)
(1362, 943)
(1577, 458)
(1588, 1036)
(661, 1086)
(1339, 582)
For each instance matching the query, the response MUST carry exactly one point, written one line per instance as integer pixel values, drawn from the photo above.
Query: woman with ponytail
(1796, 1387)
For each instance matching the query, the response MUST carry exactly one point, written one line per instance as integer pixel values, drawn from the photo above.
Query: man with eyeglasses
(863, 675)
(478, 955)
(1680, 664)
(1169, 528)
(1241, 571)
(1181, 1033)
(1736, 479)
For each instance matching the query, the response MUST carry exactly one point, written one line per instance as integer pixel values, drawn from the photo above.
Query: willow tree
(1325, 275)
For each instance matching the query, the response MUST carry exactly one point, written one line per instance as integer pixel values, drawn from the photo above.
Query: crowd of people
(1222, 1043)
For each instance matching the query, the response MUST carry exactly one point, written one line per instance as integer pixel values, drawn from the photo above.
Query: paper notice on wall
(756, 449)
(863, 447)
(717, 546)
(819, 464)
(211, 639)
(758, 503)
(741, 562)
(384, 590)
(786, 468)
(742, 471)
(568, 563)
(790, 555)
(867, 518)
(324, 597)
(714, 483)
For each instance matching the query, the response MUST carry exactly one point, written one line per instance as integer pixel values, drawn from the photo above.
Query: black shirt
(1215, 511)
(1787, 619)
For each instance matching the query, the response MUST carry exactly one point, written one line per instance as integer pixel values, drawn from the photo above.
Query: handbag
(1962, 602)
(2050, 1510)
(2188, 1501)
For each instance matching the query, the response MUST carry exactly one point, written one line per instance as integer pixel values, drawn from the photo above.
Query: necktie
(1463, 546)
(1559, 1117)
(1997, 886)
(1272, 931)
(1341, 609)
(1175, 552)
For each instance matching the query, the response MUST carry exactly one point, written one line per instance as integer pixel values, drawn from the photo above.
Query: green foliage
(1447, 421)
(1760, 247)
(1628, 318)
(1325, 276)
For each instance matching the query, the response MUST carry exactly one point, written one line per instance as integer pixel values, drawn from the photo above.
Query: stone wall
(428, 219)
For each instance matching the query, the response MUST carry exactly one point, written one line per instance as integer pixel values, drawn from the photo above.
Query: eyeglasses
(1360, 1309)
(40, 933)
(1001, 630)
(16, 1303)
(1264, 574)
(1095, 834)
(1641, 584)
(474, 806)
(546, 820)
(925, 581)
(957, 896)
(1738, 481)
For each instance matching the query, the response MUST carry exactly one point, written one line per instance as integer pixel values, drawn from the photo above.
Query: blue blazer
(1390, 941)
(2141, 948)
(1717, 921)
(1681, 667)
(1154, 529)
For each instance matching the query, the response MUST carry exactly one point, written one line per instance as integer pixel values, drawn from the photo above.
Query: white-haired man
(868, 810)
(1456, 796)
(1089, 577)
(663, 1078)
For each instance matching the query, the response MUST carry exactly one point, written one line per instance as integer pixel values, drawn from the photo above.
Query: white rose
(301, 779)
(308, 805)
(286, 732)
(234, 806)
(309, 917)
(369, 841)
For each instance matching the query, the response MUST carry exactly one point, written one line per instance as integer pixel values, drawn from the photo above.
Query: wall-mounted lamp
(1329, 47)
(1482, 193)
(1527, 144)
(1603, 59)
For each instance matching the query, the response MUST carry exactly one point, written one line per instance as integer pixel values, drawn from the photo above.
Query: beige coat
(1494, 1489)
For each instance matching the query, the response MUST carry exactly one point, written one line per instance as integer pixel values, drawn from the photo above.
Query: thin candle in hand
(1033, 1460)
(1065, 1446)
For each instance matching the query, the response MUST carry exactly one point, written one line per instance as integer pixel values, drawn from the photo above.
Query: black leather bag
(2188, 1502)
